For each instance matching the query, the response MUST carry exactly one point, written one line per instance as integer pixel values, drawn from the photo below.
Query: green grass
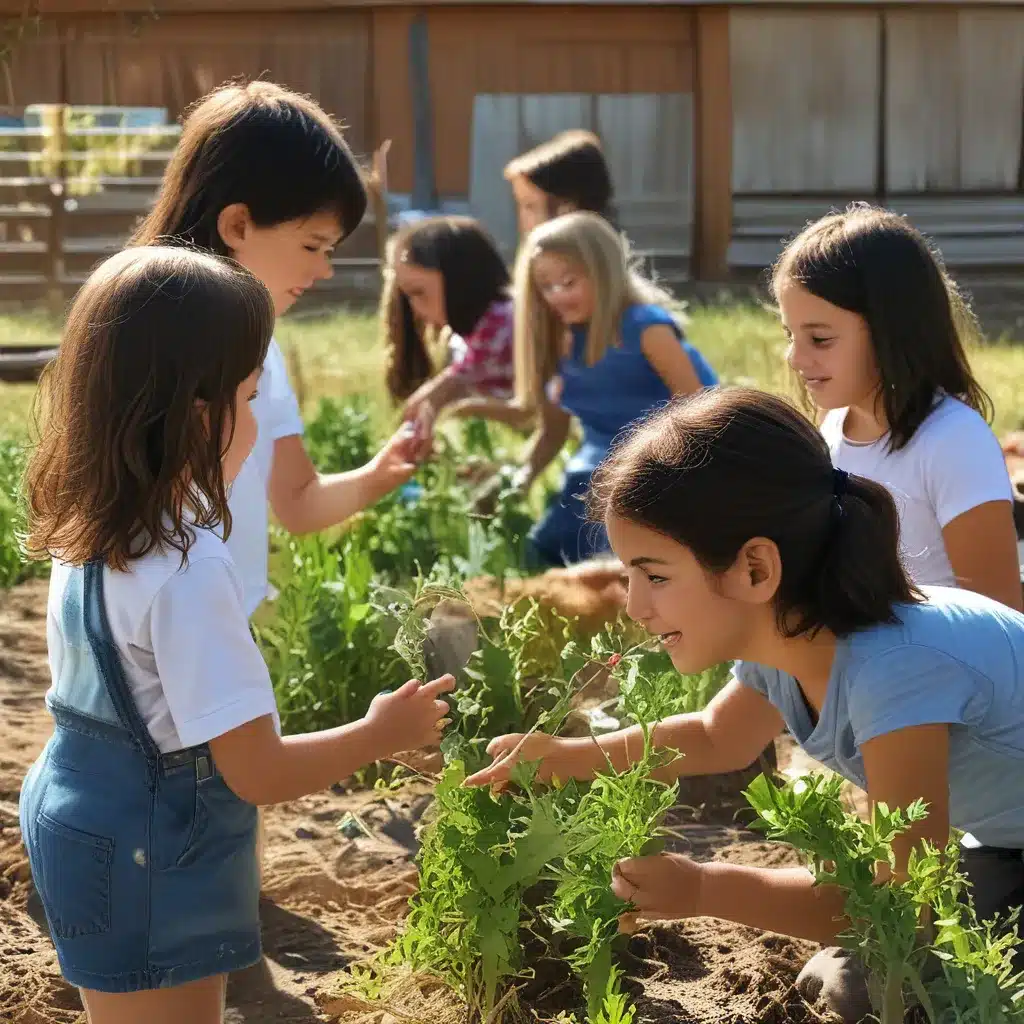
(338, 353)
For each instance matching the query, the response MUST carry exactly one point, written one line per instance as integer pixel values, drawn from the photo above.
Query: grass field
(337, 354)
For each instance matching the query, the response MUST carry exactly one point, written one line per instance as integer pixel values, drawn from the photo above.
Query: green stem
(893, 1010)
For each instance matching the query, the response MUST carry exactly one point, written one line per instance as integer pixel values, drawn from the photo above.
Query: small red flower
(614, 660)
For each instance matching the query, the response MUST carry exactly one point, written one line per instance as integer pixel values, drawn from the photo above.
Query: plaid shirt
(485, 358)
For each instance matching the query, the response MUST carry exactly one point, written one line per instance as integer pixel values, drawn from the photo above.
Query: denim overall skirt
(145, 862)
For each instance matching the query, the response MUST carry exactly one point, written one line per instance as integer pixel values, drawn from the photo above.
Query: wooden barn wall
(954, 100)
(562, 50)
(805, 100)
(172, 60)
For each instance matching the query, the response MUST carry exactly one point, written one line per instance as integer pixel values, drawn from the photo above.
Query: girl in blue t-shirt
(741, 542)
(593, 341)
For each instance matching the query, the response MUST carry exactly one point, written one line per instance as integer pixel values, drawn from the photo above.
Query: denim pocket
(74, 878)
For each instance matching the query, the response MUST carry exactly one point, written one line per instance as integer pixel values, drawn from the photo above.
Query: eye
(654, 578)
(253, 396)
(816, 340)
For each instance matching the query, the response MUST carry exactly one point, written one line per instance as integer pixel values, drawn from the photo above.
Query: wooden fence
(73, 186)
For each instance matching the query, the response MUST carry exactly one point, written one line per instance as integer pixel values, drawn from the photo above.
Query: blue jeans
(563, 536)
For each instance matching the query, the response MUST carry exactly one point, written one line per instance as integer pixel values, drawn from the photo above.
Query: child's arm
(982, 548)
(660, 344)
(785, 900)
(437, 393)
(218, 691)
(547, 441)
(506, 411)
(726, 736)
(305, 501)
(264, 768)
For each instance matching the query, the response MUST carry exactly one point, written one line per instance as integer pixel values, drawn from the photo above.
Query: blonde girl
(596, 342)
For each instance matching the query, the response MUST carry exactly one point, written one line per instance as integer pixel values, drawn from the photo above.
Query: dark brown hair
(718, 468)
(134, 409)
(570, 168)
(874, 263)
(473, 276)
(258, 144)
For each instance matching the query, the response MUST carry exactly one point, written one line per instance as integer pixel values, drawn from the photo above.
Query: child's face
(699, 619)
(424, 288)
(531, 204)
(289, 258)
(830, 348)
(244, 435)
(564, 287)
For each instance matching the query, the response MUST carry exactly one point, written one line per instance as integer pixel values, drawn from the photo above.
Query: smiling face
(565, 287)
(289, 258)
(830, 348)
(702, 618)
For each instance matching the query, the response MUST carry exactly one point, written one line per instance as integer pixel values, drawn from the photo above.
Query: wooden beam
(712, 221)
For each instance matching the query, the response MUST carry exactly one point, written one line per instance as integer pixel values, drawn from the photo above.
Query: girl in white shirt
(263, 175)
(875, 326)
(139, 816)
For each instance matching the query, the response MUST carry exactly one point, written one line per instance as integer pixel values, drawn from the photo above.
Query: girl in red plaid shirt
(447, 320)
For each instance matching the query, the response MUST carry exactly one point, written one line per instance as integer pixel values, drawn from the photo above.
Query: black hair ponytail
(716, 469)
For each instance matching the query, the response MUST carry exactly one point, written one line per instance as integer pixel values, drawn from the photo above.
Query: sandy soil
(329, 899)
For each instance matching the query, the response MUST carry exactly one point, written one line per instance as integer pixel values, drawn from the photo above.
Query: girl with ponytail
(742, 543)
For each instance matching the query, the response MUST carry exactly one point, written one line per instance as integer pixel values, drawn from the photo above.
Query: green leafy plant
(327, 646)
(916, 937)
(15, 567)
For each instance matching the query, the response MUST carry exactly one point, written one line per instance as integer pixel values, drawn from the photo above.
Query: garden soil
(338, 873)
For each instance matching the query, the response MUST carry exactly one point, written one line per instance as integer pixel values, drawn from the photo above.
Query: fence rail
(72, 192)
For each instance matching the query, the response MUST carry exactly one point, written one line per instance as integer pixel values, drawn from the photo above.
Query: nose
(638, 607)
(327, 269)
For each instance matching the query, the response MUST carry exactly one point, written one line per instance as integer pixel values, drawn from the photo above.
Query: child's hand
(508, 751)
(396, 462)
(412, 717)
(419, 419)
(660, 888)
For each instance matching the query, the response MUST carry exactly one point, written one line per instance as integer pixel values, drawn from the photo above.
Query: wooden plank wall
(805, 101)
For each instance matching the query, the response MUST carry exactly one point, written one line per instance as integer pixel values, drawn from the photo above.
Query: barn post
(712, 221)
(424, 188)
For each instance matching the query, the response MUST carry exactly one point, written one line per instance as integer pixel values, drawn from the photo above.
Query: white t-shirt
(182, 634)
(277, 415)
(952, 464)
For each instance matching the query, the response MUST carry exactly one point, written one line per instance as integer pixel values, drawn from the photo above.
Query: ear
(233, 225)
(756, 574)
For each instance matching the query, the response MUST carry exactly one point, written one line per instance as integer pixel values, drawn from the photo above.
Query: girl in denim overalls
(140, 815)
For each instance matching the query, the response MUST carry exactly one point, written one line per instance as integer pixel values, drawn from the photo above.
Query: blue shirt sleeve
(913, 685)
(749, 674)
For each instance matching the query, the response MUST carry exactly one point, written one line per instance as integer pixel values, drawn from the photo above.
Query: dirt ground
(329, 899)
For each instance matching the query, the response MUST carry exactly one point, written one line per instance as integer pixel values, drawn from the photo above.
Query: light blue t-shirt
(958, 659)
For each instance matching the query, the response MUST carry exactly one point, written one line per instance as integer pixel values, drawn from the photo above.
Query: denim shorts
(146, 869)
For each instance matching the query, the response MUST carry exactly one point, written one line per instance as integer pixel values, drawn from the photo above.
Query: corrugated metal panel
(172, 61)
(648, 140)
(805, 100)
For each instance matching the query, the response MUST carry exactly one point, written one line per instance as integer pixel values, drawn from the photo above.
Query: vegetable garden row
(514, 915)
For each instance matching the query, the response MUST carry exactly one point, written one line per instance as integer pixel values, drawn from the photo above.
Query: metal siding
(648, 140)
(805, 101)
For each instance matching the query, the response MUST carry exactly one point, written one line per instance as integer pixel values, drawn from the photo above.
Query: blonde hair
(590, 243)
